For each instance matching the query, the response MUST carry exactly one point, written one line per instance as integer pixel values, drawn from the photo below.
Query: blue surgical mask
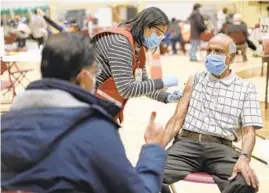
(152, 41)
(215, 64)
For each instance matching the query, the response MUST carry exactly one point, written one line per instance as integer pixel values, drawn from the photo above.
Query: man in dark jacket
(58, 137)
(197, 27)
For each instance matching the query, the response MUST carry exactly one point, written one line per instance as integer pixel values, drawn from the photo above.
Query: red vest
(108, 90)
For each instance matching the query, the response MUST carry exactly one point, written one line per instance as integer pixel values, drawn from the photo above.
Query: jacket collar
(80, 94)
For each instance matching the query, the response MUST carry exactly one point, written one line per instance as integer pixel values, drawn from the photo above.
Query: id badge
(138, 74)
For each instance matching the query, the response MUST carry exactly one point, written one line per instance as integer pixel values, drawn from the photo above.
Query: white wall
(178, 10)
(12, 4)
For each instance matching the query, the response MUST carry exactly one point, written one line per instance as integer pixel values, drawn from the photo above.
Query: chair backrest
(3, 67)
(206, 36)
(238, 37)
(10, 38)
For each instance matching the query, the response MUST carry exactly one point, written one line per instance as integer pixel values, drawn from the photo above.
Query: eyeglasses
(161, 35)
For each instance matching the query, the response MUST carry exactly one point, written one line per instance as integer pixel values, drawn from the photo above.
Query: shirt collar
(227, 80)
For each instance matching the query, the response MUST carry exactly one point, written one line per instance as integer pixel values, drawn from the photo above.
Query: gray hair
(237, 17)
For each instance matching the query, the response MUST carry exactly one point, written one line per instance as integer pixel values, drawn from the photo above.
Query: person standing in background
(175, 36)
(23, 32)
(221, 18)
(197, 27)
(121, 55)
(38, 27)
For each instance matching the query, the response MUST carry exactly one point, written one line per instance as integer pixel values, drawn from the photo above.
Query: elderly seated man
(237, 25)
(222, 108)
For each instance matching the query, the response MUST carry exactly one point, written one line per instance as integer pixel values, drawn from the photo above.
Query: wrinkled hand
(242, 166)
(156, 133)
(174, 97)
(169, 81)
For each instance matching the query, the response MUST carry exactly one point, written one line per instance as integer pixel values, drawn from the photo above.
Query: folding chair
(10, 38)
(7, 86)
(197, 177)
(16, 75)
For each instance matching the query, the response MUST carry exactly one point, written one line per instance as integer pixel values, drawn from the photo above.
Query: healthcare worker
(121, 54)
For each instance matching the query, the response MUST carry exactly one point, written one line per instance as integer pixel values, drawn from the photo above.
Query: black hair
(64, 55)
(173, 19)
(150, 17)
(35, 11)
(196, 6)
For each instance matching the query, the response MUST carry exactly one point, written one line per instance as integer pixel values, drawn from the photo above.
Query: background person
(23, 32)
(239, 26)
(197, 27)
(221, 18)
(38, 28)
(175, 36)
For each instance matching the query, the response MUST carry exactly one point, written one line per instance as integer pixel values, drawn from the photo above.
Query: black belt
(204, 138)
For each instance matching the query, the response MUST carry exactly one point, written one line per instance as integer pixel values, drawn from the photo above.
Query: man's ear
(231, 58)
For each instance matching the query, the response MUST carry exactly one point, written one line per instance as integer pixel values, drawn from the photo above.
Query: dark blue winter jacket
(59, 138)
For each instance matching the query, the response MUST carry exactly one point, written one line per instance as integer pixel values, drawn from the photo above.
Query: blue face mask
(215, 64)
(152, 41)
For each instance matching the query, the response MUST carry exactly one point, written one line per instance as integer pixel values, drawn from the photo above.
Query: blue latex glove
(174, 97)
(170, 81)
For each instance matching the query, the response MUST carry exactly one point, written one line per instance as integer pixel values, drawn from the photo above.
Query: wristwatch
(245, 154)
